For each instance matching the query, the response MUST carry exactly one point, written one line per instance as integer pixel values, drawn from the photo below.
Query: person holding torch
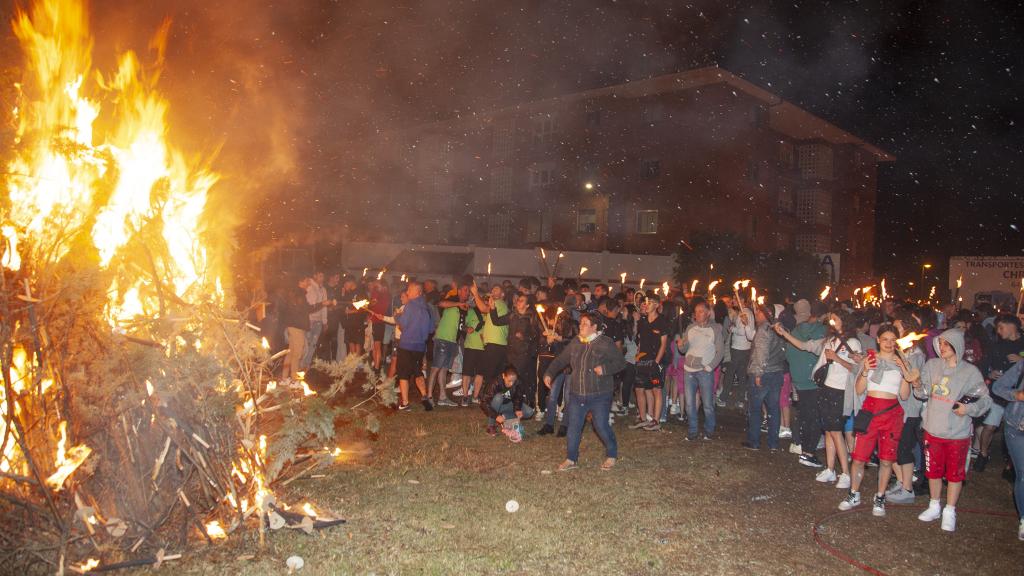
(885, 379)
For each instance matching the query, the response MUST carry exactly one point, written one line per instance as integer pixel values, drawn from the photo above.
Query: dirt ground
(431, 498)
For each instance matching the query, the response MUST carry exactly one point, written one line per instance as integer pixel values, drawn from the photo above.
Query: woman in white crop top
(885, 378)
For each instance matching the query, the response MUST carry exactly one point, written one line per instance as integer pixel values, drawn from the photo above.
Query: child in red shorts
(955, 392)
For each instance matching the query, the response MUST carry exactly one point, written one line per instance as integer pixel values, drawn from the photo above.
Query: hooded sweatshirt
(1006, 387)
(583, 356)
(942, 386)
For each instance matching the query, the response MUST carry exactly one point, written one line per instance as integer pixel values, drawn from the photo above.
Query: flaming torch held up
(824, 293)
(956, 295)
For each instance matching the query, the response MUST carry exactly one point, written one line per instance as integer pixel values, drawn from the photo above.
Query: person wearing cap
(807, 433)
(765, 375)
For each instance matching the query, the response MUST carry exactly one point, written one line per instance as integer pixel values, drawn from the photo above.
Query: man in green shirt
(801, 367)
(493, 307)
(446, 341)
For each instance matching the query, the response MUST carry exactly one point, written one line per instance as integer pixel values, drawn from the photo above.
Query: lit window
(646, 221)
(586, 221)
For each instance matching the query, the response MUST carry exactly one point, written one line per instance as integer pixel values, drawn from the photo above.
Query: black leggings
(624, 381)
(809, 420)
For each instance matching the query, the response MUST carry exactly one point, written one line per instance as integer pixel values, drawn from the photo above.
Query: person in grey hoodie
(955, 392)
(1010, 387)
(765, 374)
(703, 345)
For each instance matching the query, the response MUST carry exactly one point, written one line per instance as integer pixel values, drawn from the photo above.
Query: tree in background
(790, 273)
(730, 255)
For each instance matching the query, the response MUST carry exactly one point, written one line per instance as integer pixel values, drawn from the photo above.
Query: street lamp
(923, 284)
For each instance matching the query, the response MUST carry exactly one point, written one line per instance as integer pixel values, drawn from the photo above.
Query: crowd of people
(917, 392)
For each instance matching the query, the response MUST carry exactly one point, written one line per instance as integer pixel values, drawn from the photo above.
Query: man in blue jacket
(415, 324)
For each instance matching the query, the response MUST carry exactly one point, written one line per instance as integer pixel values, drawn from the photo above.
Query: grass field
(430, 499)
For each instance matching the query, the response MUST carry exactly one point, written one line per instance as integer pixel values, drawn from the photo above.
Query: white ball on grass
(511, 506)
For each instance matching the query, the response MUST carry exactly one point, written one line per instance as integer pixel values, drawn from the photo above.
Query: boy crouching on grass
(502, 401)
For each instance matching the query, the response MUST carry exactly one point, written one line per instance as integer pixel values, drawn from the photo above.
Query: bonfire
(138, 413)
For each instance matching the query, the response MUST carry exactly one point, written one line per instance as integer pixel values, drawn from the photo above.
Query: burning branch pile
(138, 409)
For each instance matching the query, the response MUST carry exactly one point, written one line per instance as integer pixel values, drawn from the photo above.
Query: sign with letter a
(829, 264)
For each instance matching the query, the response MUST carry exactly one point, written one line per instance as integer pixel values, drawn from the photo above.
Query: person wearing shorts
(473, 357)
(955, 393)
(446, 342)
(885, 379)
(416, 324)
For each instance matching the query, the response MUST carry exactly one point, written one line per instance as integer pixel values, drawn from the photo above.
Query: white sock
(934, 504)
(950, 507)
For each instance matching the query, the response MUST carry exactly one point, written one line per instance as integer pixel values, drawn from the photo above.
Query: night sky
(281, 86)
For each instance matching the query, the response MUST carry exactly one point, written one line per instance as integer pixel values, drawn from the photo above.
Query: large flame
(92, 160)
(907, 341)
(67, 461)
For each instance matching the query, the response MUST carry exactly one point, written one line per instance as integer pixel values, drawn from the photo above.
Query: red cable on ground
(837, 553)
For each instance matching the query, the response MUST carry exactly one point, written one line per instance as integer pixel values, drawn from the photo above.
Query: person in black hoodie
(524, 333)
(503, 404)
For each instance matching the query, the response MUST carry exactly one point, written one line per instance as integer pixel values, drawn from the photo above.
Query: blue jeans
(552, 404)
(507, 409)
(577, 408)
(706, 382)
(312, 337)
(1015, 446)
(767, 392)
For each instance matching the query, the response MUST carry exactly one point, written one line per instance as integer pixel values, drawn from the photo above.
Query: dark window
(646, 221)
(586, 221)
(650, 168)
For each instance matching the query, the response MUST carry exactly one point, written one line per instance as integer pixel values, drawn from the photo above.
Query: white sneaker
(826, 476)
(785, 432)
(931, 513)
(949, 519)
(851, 501)
(795, 449)
(843, 481)
(458, 393)
(454, 383)
(1020, 530)
(673, 409)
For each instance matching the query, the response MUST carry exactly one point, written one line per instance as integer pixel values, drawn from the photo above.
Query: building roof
(784, 117)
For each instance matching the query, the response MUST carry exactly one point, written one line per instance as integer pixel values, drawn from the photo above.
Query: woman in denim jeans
(1009, 387)
(594, 359)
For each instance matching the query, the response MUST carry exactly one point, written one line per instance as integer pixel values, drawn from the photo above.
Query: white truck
(998, 280)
